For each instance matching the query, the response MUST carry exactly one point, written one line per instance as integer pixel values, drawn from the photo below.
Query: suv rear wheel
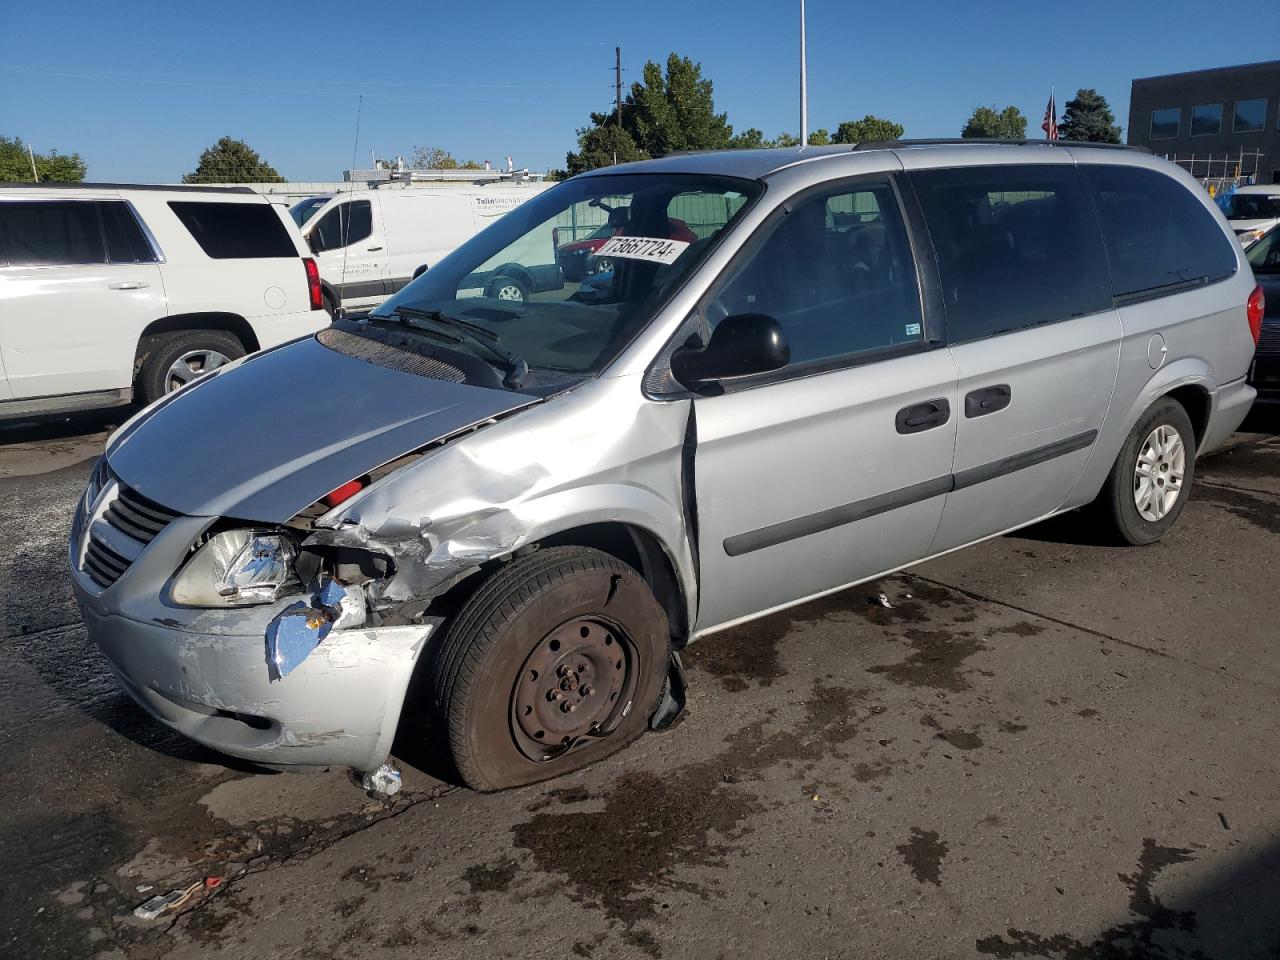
(556, 661)
(1151, 478)
(178, 358)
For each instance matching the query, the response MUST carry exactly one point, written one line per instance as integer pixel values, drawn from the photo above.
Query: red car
(577, 260)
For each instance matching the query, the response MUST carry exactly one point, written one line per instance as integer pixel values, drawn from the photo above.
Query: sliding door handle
(923, 416)
(129, 285)
(979, 403)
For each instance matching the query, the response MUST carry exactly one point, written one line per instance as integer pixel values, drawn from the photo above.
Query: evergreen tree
(232, 161)
(1088, 117)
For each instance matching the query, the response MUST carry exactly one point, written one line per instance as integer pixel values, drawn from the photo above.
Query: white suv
(110, 294)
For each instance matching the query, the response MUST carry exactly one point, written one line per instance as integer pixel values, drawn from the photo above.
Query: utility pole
(804, 84)
(34, 176)
(617, 83)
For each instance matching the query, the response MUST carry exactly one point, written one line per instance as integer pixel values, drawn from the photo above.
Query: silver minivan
(864, 357)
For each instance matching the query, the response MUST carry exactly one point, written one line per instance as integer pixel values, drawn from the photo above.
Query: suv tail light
(313, 284)
(1254, 310)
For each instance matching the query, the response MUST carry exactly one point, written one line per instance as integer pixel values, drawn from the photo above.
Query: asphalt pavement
(1040, 747)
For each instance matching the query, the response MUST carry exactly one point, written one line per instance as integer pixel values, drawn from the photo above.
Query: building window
(1206, 120)
(1251, 115)
(1165, 123)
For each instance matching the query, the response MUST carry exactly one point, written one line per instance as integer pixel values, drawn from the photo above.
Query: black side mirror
(741, 345)
(313, 241)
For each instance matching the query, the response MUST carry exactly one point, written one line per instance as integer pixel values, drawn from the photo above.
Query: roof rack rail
(166, 187)
(964, 141)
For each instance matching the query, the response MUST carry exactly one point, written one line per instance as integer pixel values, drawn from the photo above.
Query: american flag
(1050, 125)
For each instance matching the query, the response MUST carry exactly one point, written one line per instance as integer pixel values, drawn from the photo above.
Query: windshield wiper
(460, 330)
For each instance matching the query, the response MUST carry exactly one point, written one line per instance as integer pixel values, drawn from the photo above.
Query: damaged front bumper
(340, 706)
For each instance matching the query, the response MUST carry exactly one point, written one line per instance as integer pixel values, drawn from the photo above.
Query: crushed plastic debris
(299, 628)
(165, 902)
(884, 602)
(212, 883)
(384, 781)
(144, 888)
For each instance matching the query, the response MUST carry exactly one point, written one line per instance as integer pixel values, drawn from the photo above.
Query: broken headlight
(237, 568)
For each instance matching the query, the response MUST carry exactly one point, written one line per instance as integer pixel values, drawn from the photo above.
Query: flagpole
(804, 83)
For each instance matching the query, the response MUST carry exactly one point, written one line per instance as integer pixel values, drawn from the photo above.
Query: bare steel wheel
(1157, 477)
(192, 364)
(574, 686)
(1151, 477)
(556, 661)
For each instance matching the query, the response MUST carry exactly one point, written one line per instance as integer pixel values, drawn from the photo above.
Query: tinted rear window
(235, 231)
(125, 242)
(1158, 234)
(1017, 247)
(51, 232)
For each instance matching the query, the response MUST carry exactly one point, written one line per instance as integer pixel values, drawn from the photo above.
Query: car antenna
(344, 228)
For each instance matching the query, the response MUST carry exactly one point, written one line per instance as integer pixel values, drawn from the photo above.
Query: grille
(134, 516)
(1269, 342)
(386, 355)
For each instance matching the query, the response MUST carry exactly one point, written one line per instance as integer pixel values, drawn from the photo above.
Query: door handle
(128, 285)
(979, 403)
(374, 249)
(923, 416)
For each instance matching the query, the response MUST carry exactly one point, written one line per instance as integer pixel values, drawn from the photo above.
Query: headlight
(237, 568)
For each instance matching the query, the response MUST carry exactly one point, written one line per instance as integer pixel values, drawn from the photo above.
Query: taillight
(313, 283)
(1255, 308)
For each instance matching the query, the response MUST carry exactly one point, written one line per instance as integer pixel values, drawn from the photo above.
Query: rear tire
(556, 661)
(507, 288)
(1151, 479)
(176, 359)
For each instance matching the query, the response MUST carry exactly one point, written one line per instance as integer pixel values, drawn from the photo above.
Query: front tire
(1151, 479)
(508, 288)
(556, 661)
(178, 358)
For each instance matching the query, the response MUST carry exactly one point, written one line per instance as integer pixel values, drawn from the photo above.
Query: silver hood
(272, 435)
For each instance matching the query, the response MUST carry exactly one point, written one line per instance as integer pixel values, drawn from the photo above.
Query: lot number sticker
(652, 249)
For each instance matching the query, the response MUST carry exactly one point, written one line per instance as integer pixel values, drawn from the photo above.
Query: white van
(370, 243)
(1253, 210)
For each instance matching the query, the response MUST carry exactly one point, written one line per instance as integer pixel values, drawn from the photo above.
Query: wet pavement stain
(1023, 628)
(620, 856)
(936, 660)
(490, 878)
(1135, 939)
(1258, 510)
(923, 852)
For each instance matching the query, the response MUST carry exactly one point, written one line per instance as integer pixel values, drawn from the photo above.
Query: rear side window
(51, 232)
(1158, 234)
(1017, 247)
(125, 241)
(235, 231)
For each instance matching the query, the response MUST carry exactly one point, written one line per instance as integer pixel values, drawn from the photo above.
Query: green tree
(783, 139)
(436, 158)
(1089, 117)
(232, 161)
(751, 138)
(819, 137)
(987, 122)
(666, 111)
(15, 164)
(869, 129)
(602, 147)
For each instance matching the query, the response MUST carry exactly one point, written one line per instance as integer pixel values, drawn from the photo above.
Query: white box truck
(370, 243)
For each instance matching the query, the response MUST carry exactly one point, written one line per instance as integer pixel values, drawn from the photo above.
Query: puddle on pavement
(923, 852)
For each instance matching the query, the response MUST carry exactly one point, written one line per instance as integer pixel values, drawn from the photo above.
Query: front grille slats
(133, 515)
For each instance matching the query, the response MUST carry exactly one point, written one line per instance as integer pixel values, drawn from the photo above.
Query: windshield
(1253, 206)
(513, 281)
(304, 210)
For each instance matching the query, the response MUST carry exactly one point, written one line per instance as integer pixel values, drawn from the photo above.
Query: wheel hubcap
(510, 292)
(1157, 477)
(192, 364)
(575, 686)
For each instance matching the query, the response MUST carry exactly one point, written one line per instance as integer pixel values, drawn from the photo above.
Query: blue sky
(139, 89)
